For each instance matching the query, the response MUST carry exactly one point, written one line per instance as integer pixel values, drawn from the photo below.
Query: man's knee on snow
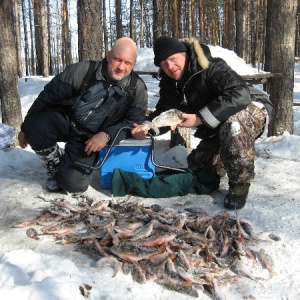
(74, 182)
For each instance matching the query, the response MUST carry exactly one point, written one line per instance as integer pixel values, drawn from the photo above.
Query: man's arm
(232, 94)
(61, 88)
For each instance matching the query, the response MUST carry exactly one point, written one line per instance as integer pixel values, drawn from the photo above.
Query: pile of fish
(186, 250)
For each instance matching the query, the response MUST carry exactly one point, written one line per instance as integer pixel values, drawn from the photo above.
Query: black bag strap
(131, 92)
(88, 76)
(132, 86)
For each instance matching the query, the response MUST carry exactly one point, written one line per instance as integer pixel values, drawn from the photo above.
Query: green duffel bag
(163, 185)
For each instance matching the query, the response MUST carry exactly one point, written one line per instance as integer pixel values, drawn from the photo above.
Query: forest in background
(67, 28)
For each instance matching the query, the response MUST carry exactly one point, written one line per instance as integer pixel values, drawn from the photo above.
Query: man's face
(120, 64)
(174, 65)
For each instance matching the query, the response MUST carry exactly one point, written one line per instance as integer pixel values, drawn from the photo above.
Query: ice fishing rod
(100, 164)
(162, 166)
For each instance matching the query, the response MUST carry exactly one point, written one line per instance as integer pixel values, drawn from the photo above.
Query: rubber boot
(237, 196)
(51, 156)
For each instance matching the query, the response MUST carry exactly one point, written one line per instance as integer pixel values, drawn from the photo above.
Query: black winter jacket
(208, 88)
(106, 105)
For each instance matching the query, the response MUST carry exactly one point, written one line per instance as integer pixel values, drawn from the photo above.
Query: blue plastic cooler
(130, 155)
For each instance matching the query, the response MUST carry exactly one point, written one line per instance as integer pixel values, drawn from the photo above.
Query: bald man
(84, 116)
(121, 58)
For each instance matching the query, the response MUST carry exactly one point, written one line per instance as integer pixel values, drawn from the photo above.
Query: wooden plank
(262, 75)
(260, 78)
(153, 74)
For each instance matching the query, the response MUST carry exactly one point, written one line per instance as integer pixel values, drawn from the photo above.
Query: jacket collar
(201, 56)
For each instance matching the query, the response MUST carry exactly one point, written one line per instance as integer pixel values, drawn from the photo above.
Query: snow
(44, 269)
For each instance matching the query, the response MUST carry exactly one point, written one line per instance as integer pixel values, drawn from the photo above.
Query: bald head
(125, 44)
(121, 58)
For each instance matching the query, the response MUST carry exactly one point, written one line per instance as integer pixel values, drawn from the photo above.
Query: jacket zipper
(102, 101)
(185, 102)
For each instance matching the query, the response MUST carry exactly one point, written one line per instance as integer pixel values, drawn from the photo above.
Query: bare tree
(49, 37)
(254, 30)
(142, 25)
(157, 19)
(89, 30)
(193, 18)
(104, 26)
(176, 14)
(131, 22)
(209, 24)
(33, 69)
(260, 46)
(257, 31)
(202, 35)
(180, 23)
(184, 8)
(297, 46)
(57, 39)
(213, 23)
(280, 49)
(9, 95)
(111, 18)
(231, 31)
(189, 18)
(242, 29)
(26, 38)
(41, 39)
(147, 26)
(66, 38)
(119, 18)
(167, 17)
(228, 32)
(18, 37)
(102, 50)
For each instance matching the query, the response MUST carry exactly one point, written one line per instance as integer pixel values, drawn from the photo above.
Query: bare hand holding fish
(190, 120)
(171, 118)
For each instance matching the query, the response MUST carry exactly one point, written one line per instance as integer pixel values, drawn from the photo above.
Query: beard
(116, 74)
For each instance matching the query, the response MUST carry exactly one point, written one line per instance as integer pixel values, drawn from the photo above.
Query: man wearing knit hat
(228, 115)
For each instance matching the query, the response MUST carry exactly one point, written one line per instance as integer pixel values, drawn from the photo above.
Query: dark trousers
(232, 150)
(44, 130)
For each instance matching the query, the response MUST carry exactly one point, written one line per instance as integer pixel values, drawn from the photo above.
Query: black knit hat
(166, 46)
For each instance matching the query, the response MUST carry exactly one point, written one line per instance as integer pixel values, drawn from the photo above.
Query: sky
(44, 269)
